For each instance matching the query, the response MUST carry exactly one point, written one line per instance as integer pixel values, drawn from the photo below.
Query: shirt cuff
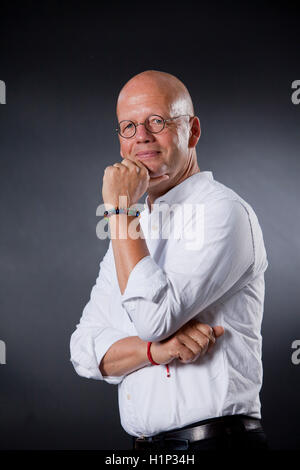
(87, 352)
(147, 280)
(102, 343)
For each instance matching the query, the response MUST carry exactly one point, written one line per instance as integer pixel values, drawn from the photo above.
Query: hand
(192, 340)
(127, 178)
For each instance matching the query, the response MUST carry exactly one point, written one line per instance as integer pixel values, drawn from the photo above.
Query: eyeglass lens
(153, 124)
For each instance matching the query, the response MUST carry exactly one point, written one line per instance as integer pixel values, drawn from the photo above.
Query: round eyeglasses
(153, 124)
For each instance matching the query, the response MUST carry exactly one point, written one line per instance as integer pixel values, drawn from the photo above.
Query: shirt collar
(178, 193)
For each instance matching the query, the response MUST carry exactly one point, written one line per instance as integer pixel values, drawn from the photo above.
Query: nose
(142, 134)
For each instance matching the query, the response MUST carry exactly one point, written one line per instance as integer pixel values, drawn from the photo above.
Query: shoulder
(220, 199)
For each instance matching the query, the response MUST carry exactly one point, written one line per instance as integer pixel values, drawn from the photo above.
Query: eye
(156, 120)
(126, 127)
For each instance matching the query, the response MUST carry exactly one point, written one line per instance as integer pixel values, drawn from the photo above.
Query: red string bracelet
(151, 358)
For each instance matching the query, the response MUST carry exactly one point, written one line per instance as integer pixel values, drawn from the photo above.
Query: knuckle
(186, 354)
(204, 345)
(199, 346)
(207, 329)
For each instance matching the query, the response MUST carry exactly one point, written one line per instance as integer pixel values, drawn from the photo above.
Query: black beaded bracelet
(117, 210)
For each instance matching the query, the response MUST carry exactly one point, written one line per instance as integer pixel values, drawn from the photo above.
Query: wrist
(150, 354)
(151, 359)
(122, 213)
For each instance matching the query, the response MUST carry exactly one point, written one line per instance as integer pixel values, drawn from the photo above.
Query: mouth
(147, 154)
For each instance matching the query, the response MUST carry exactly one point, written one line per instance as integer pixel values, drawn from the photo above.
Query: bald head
(161, 84)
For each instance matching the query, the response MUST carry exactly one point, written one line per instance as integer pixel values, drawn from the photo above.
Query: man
(175, 321)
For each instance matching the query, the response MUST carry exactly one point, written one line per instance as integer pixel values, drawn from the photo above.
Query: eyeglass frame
(144, 124)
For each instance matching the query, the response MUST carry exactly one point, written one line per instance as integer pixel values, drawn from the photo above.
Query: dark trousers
(247, 440)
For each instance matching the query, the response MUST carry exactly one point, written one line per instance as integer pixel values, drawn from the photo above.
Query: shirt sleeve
(159, 301)
(95, 334)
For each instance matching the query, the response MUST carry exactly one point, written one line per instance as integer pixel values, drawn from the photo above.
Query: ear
(195, 132)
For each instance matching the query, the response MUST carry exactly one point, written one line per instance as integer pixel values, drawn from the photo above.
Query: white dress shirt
(219, 281)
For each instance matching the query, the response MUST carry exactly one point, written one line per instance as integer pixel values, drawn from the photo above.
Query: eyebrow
(148, 115)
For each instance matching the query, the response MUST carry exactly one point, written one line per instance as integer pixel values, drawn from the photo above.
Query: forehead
(141, 104)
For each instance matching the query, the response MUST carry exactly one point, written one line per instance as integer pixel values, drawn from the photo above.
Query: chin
(156, 170)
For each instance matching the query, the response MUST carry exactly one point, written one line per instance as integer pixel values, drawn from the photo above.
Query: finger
(206, 330)
(210, 346)
(197, 346)
(185, 355)
(132, 163)
(202, 339)
(138, 166)
(207, 340)
(218, 331)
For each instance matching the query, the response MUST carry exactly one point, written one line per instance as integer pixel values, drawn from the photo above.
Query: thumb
(218, 331)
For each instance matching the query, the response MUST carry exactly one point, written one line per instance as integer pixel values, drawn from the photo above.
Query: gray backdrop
(63, 64)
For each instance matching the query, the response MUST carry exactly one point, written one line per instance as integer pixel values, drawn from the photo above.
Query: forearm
(129, 354)
(127, 251)
(124, 356)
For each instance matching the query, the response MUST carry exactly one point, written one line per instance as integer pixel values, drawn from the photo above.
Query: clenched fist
(190, 342)
(127, 178)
